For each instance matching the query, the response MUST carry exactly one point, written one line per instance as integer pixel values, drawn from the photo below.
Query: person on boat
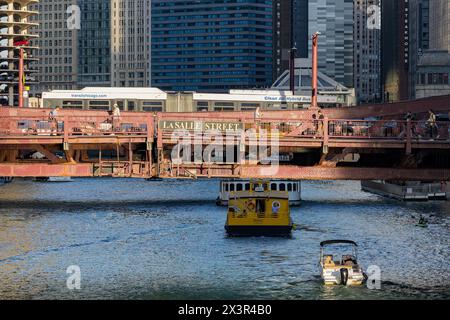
(422, 220)
(276, 207)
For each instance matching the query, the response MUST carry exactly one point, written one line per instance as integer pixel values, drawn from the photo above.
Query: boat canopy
(324, 243)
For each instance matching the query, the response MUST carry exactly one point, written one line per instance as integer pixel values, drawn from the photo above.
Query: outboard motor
(344, 276)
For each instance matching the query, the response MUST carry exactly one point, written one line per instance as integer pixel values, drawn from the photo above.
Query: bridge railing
(388, 129)
(367, 129)
(77, 126)
(138, 124)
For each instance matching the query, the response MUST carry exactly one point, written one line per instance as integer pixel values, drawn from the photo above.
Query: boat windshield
(339, 249)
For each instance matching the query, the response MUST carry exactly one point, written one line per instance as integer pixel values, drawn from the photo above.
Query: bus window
(247, 187)
(152, 106)
(99, 105)
(72, 104)
(295, 187)
(282, 187)
(131, 106)
(202, 106)
(231, 187)
(273, 187)
(250, 106)
(289, 185)
(224, 106)
(239, 187)
(226, 187)
(120, 104)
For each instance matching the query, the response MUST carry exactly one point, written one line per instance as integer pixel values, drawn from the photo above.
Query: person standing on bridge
(116, 117)
(321, 119)
(52, 118)
(432, 125)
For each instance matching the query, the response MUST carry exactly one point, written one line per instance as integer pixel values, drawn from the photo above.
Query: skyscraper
(130, 43)
(395, 49)
(211, 45)
(94, 49)
(334, 20)
(300, 25)
(15, 30)
(419, 38)
(290, 29)
(282, 36)
(367, 50)
(440, 24)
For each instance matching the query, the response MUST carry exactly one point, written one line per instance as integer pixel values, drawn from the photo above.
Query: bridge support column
(409, 191)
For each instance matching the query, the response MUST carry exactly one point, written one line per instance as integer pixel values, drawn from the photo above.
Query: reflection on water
(165, 240)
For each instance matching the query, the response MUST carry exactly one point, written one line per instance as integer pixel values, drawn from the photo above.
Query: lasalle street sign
(201, 126)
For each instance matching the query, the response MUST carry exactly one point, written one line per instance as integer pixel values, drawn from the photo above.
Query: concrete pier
(409, 191)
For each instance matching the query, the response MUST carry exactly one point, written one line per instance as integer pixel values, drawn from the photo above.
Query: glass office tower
(334, 20)
(211, 45)
(94, 63)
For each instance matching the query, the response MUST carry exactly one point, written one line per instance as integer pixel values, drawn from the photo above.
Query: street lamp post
(21, 84)
(21, 76)
(314, 75)
(293, 53)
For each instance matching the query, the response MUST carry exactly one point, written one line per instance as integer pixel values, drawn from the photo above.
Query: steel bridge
(362, 143)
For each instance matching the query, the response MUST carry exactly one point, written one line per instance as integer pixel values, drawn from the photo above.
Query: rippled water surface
(138, 239)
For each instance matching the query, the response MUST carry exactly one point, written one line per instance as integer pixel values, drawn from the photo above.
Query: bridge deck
(92, 143)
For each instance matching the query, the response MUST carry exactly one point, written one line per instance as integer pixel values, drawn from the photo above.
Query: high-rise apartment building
(130, 43)
(93, 43)
(334, 20)
(57, 44)
(395, 49)
(440, 24)
(211, 45)
(290, 29)
(367, 50)
(15, 31)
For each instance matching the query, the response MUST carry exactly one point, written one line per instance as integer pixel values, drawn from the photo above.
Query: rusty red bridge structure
(373, 142)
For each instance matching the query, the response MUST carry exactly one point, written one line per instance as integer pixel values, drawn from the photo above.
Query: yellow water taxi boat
(258, 211)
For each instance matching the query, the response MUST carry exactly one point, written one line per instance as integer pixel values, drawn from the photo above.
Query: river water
(137, 239)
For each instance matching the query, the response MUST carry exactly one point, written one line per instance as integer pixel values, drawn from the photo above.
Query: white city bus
(156, 100)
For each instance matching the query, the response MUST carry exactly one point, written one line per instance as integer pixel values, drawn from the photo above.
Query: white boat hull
(332, 276)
